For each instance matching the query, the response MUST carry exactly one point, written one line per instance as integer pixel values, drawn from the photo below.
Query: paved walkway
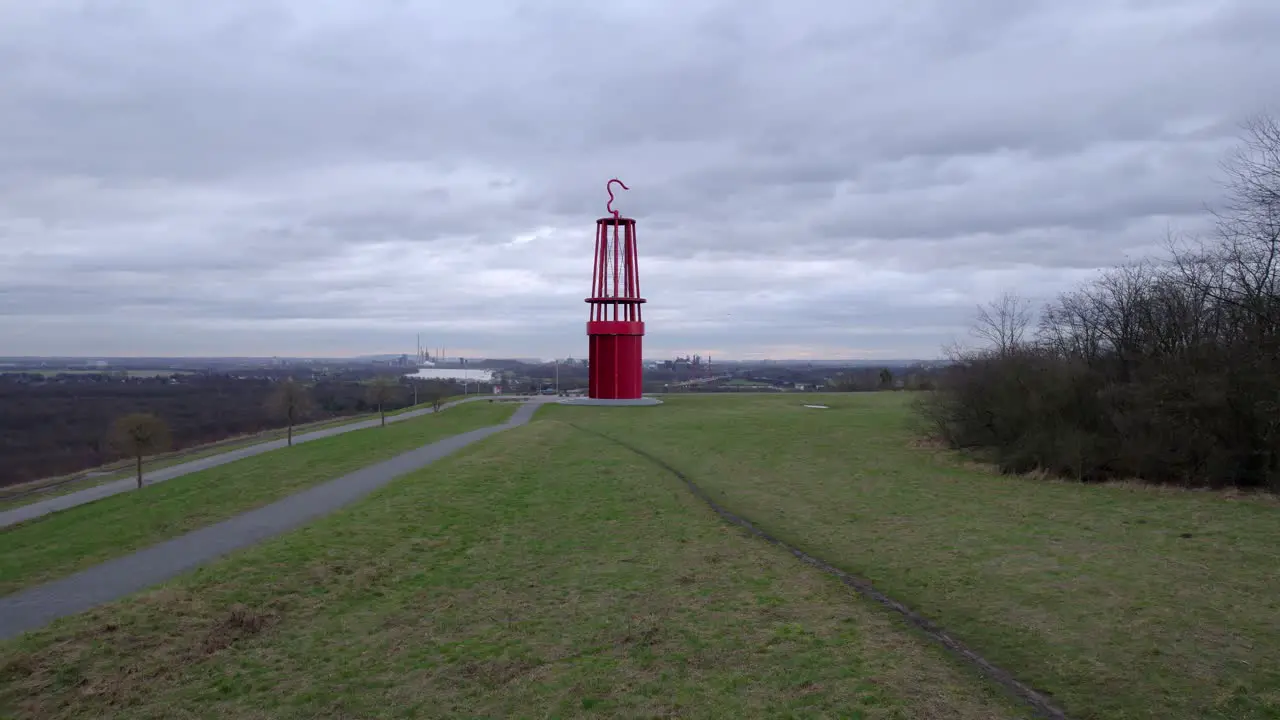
(115, 487)
(34, 607)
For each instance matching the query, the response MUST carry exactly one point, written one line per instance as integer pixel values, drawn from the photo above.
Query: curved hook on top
(609, 188)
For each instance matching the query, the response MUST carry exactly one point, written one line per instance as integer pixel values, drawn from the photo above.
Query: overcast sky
(810, 177)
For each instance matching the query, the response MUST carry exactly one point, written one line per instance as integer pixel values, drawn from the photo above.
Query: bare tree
(1249, 225)
(139, 434)
(435, 393)
(292, 401)
(1068, 327)
(1003, 322)
(382, 391)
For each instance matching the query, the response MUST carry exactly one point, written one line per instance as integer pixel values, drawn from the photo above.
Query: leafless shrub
(137, 435)
(291, 400)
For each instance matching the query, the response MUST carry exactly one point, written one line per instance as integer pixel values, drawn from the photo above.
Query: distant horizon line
(28, 358)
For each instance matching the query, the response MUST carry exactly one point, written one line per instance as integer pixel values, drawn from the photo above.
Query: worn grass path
(541, 573)
(59, 544)
(1120, 602)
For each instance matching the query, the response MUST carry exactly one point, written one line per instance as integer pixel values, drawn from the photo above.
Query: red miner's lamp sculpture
(616, 327)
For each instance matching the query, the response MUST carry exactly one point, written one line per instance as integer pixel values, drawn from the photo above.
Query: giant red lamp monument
(615, 328)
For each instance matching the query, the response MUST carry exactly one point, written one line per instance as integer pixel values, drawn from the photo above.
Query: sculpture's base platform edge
(630, 402)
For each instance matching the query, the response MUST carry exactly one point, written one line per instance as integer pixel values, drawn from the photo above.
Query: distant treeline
(52, 428)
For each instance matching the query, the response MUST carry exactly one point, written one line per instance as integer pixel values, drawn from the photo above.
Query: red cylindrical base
(615, 365)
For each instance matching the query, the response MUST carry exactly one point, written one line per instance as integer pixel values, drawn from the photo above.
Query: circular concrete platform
(604, 402)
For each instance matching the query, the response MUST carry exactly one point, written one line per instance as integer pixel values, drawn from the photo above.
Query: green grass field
(1120, 601)
(61, 543)
(512, 580)
(549, 572)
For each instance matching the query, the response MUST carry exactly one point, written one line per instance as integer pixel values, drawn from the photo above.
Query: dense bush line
(1167, 370)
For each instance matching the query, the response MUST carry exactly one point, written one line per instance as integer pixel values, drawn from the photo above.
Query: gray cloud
(811, 178)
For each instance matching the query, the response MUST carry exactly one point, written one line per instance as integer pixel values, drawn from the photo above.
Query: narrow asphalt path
(34, 607)
(115, 487)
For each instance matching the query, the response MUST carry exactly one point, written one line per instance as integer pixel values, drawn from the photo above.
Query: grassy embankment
(547, 571)
(1122, 601)
(540, 573)
(60, 543)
